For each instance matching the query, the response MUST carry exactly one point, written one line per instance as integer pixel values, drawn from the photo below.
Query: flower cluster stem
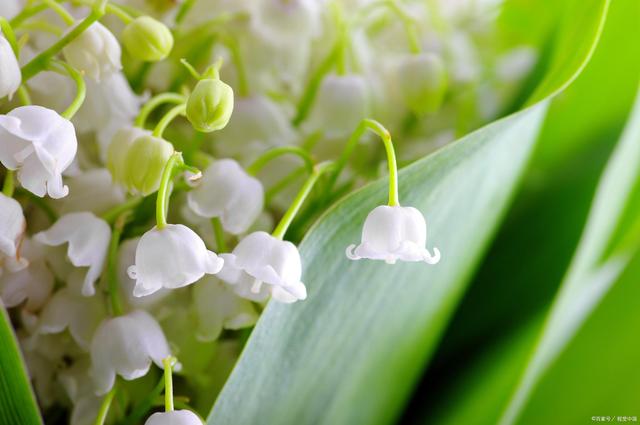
(169, 116)
(9, 185)
(8, 33)
(156, 101)
(218, 231)
(60, 11)
(81, 87)
(112, 265)
(274, 153)
(302, 195)
(168, 383)
(104, 407)
(174, 163)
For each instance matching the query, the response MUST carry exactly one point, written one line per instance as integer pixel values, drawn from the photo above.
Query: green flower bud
(210, 105)
(144, 162)
(118, 149)
(147, 39)
(423, 83)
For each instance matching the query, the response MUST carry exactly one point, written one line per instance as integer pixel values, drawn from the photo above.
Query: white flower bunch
(155, 216)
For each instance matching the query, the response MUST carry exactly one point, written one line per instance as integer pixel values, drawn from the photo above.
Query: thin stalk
(112, 265)
(168, 117)
(26, 13)
(8, 33)
(60, 11)
(142, 408)
(274, 153)
(218, 231)
(282, 183)
(285, 222)
(81, 87)
(112, 9)
(154, 102)
(112, 214)
(168, 383)
(409, 26)
(236, 57)
(174, 163)
(41, 61)
(23, 95)
(9, 185)
(104, 407)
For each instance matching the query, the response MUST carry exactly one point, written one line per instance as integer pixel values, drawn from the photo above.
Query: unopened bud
(423, 82)
(147, 39)
(210, 105)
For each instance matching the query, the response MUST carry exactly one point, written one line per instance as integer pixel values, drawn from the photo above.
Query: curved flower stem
(218, 231)
(9, 185)
(272, 154)
(60, 11)
(168, 117)
(104, 407)
(295, 206)
(23, 95)
(174, 163)
(112, 264)
(26, 13)
(142, 408)
(112, 9)
(284, 182)
(236, 58)
(168, 383)
(154, 102)
(8, 33)
(112, 214)
(409, 26)
(41, 61)
(380, 130)
(81, 91)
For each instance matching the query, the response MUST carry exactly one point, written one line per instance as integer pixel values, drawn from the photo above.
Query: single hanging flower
(227, 191)
(12, 227)
(96, 52)
(126, 345)
(40, 144)
(174, 417)
(88, 237)
(394, 233)
(10, 76)
(171, 257)
(261, 260)
(422, 80)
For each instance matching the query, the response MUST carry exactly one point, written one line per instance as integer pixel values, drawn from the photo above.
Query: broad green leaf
(17, 402)
(367, 325)
(591, 273)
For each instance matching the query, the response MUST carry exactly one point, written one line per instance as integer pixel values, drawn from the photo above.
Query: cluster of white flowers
(102, 285)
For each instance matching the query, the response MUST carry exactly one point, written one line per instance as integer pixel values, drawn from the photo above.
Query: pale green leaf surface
(17, 402)
(590, 275)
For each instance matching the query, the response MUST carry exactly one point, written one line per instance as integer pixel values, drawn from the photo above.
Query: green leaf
(594, 268)
(17, 402)
(368, 325)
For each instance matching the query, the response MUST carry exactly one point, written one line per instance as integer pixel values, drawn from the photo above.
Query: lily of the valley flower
(10, 77)
(88, 237)
(171, 257)
(40, 144)
(12, 227)
(126, 345)
(394, 233)
(280, 20)
(175, 417)
(95, 51)
(217, 307)
(227, 191)
(263, 260)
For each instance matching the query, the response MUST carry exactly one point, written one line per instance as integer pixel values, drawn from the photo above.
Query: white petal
(176, 417)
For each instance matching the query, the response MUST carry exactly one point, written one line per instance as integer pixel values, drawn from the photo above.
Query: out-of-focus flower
(175, 417)
(217, 307)
(10, 77)
(118, 149)
(263, 260)
(228, 192)
(144, 162)
(210, 105)
(282, 20)
(423, 82)
(147, 39)
(126, 345)
(394, 233)
(92, 191)
(40, 144)
(96, 52)
(171, 257)
(88, 237)
(12, 227)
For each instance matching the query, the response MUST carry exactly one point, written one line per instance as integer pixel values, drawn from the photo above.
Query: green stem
(81, 90)
(302, 195)
(168, 117)
(8, 33)
(236, 57)
(112, 214)
(9, 185)
(409, 25)
(175, 163)
(184, 9)
(383, 133)
(26, 13)
(104, 407)
(112, 9)
(154, 102)
(112, 265)
(168, 383)
(41, 61)
(60, 11)
(218, 231)
(43, 26)
(282, 183)
(272, 154)
(142, 408)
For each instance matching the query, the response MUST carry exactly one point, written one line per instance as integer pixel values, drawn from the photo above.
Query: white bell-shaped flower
(261, 260)
(283, 20)
(31, 285)
(126, 345)
(88, 237)
(217, 307)
(40, 144)
(228, 192)
(394, 233)
(126, 257)
(10, 76)
(96, 52)
(175, 417)
(93, 191)
(12, 227)
(341, 103)
(81, 315)
(171, 257)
